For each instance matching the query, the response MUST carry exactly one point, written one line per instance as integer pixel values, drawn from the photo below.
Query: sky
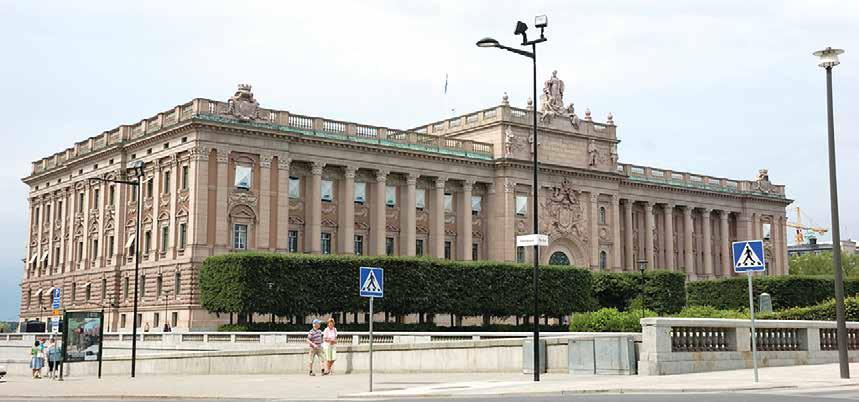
(722, 88)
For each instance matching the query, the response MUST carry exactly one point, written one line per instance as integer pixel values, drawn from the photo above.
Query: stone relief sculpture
(511, 142)
(762, 183)
(613, 155)
(563, 214)
(593, 153)
(553, 102)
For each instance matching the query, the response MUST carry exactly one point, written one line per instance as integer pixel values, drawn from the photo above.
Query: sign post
(371, 283)
(749, 257)
(535, 240)
(56, 303)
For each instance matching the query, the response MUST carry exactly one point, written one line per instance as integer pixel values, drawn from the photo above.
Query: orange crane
(802, 230)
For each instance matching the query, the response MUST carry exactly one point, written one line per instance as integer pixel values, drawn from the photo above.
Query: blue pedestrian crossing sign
(749, 256)
(371, 282)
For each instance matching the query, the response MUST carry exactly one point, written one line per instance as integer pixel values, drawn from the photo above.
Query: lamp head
(642, 265)
(521, 27)
(487, 42)
(136, 168)
(541, 21)
(828, 57)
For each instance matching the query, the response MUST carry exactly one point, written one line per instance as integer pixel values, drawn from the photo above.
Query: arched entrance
(559, 258)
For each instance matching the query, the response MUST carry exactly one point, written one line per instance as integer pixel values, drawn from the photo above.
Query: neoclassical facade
(228, 176)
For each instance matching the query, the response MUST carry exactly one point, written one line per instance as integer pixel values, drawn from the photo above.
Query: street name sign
(532, 240)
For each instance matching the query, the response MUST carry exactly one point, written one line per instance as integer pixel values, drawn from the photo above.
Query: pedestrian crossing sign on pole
(749, 256)
(371, 282)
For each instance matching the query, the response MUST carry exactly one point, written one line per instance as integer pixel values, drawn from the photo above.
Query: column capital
(707, 211)
(283, 162)
(687, 210)
(668, 206)
(381, 176)
(467, 184)
(412, 178)
(265, 160)
(594, 197)
(199, 153)
(509, 186)
(316, 168)
(223, 156)
(439, 182)
(349, 172)
(615, 199)
(724, 214)
(490, 188)
(648, 206)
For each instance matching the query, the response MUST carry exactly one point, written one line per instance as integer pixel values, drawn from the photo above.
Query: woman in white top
(329, 350)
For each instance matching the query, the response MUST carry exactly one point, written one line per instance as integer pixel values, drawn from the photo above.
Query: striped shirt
(315, 337)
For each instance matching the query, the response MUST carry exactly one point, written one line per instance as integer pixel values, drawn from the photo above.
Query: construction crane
(802, 230)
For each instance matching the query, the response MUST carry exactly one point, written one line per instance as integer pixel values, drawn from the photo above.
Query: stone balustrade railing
(684, 345)
(511, 114)
(691, 180)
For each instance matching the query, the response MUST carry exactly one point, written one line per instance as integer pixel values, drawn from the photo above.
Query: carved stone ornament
(593, 154)
(762, 183)
(552, 102)
(511, 142)
(242, 198)
(563, 213)
(243, 105)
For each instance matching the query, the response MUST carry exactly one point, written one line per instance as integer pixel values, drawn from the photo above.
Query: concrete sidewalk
(417, 385)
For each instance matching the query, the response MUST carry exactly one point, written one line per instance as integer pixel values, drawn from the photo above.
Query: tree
(821, 264)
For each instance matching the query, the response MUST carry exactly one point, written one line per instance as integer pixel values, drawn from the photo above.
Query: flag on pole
(445, 83)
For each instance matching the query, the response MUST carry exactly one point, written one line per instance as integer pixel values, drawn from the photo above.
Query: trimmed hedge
(301, 284)
(389, 326)
(821, 312)
(664, 291)
(609, 320)
(786, 291)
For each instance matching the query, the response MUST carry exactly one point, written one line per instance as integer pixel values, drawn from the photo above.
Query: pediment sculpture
(243, 105)
(762, 183)
(552, 102)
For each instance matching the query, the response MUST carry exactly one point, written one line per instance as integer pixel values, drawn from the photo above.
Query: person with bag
(54, 353)
(329, 348)
(36, 362)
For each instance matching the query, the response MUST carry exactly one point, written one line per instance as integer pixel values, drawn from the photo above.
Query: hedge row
(664, 291)
(390, 327)
(821, 312)
(786, 291)
(609, 320)
(299, 284)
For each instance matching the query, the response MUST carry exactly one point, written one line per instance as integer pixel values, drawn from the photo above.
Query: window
(447, 249)
(147, 241)
(57, 256)
(389, 246)
(475, 204)
(448, 203)
(326, 243)
(122, 321)
(292, 241)
(87, 292)
(74, 292)
(359, 245)
(183, 235)
(59, 209)
(133, 192)
(185, 172)
(142, 287)
(96, 198)
(80, 250)
(601, 218)
(603, 260)
(125, 287)
(155, 320)
(80, 201)
(390, 196)
(520, 254)
(103, 290)
(420, 198)
(36, 216)
(240, 237)
(165, 188)
(139, 320)
(360, 192)
(149, 188)
(177, 284)
(165, 238)
(94, 250)
(174, 319)
(111, 195)
(243, 177)
(475, 251)
(419, 247)
(110, 247)
(47, 214)
(159, 286)
(294, 187)
(327, 190)
(521, 205)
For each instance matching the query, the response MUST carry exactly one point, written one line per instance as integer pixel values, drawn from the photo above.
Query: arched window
(559, 258)
(602, 216)
(603, 260)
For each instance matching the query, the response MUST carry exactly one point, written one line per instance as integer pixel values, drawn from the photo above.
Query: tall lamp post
(642, 267)
(829, 59)
(521, 28)
(136, 169)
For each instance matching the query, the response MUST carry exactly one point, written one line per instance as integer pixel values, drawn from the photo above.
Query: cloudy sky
(716, 87)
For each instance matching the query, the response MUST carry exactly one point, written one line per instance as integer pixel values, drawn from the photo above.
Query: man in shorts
(314, 341)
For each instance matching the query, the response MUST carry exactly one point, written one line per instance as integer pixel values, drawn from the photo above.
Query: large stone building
(228, 176)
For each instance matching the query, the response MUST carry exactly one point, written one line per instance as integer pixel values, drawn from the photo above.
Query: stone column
(708, 242)
(595, 231)
(744, 226)
(378, 229)
(756, 226)
(724, 235)
(407, 217)
(222, 232)
(493, 221)
(283, 203)
(627, 234)
(779, 239)
(313, 209)
(198, 200)
(263, 232)
(616, 262)
(346, 212)
(436, 236)
(463, 222)
(649, 228)
(688, 243)
(785, 261)
(669, 236)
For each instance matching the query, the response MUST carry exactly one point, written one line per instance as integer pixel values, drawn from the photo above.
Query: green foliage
(389, 326)
(711, 312)
(786, 291)
(609, 320)
(821, 312)
(664, 291)
(301, 284)
(821, 264)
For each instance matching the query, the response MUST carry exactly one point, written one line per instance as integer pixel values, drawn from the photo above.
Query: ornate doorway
(559, 258)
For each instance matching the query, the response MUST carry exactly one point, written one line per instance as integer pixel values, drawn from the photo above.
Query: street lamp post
(642, 267)
(521, 28)
(828, 60)
(136, 168)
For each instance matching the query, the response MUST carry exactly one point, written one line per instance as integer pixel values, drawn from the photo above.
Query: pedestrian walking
(36, 362)
(329, 346)
(314, 342)
(54, 354)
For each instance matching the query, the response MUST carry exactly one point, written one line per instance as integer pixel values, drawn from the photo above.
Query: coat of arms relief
(563, 215)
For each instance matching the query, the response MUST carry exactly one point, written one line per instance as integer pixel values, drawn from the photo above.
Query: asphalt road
(808, 395)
